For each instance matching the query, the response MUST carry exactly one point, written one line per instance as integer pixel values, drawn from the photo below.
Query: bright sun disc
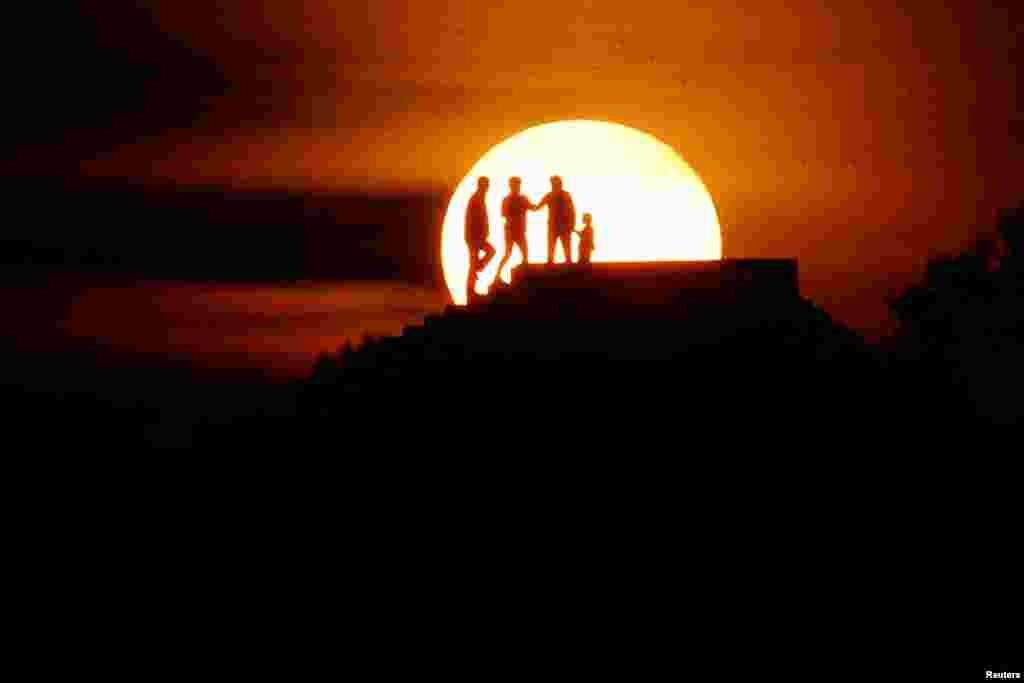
(646, 201)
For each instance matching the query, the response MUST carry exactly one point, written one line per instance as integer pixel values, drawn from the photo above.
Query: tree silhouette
(961, 327)
(1011, 227)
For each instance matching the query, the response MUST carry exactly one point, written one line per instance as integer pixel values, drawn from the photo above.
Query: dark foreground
(726, 497)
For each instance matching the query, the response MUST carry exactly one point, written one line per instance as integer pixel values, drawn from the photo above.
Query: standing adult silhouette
(513, 208)
(477, 232)
(561, 219)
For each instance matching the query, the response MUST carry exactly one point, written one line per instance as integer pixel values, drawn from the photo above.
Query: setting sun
(646, 201)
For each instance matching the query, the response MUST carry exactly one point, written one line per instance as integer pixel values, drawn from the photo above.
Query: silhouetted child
(586, 239)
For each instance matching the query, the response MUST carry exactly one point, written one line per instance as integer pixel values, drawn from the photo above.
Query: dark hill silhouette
(725, 343)
(733, 343)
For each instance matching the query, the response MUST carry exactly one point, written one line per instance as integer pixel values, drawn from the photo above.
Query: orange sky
(860, 136)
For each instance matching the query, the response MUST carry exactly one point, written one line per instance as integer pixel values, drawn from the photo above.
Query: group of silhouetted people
(561, 225)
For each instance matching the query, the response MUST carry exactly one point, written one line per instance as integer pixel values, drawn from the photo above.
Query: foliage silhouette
(962, 329)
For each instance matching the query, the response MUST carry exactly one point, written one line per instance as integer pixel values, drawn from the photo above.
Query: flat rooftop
(663, 283)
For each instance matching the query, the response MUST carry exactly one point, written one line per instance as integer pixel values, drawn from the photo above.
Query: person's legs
(523, 248)
(514, 239)
(551, 245)
(505, 257)
(474, 257)
(488, 255)
(566, 238)
(471, 286)
(474, 269)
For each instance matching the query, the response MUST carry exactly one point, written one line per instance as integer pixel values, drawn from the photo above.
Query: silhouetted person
(586, 239)
(514, 208)
(561, 219)
(477, 232)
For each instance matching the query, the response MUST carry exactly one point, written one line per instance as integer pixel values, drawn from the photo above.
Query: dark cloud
(94, 76)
